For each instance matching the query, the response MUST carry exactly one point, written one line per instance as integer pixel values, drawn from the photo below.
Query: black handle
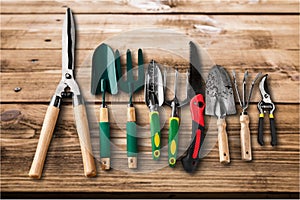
(273, 131)
(192, 158)
(260, 138)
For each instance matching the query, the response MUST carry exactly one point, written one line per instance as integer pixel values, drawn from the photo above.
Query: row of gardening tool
(219, 101)
(215, 97)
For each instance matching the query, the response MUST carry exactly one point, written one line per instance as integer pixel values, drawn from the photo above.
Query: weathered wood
(162, 6)
(215, 31)
(286, 61)
(272, 169)
(31, 59)
(44, 85)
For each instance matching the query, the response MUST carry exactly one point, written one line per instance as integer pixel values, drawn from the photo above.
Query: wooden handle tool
(245, 138)
(44, 141)
(85, 142)
(131, 138)
(223, 141)
(104, 139)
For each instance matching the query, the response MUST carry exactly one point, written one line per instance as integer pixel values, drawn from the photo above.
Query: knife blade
(196, 91)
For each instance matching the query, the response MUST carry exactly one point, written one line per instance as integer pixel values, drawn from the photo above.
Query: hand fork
(130, 86)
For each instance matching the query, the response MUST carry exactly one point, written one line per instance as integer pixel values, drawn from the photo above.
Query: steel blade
(196, 82)
(219, 94)
(68, 43)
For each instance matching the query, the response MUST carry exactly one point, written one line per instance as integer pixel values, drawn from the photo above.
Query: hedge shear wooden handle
(44, 142)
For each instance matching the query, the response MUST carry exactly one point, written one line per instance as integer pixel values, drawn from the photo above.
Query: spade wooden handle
(132, 149)
(245, 138)
(85, 141)
(104, 139)
(223, 141)
(44, 141)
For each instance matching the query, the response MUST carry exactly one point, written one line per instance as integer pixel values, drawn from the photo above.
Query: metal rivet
(17, 89)
(68, 76)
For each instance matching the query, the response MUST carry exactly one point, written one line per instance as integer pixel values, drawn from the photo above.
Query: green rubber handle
(104, 140)
(155, 134)
(173, 140)
(131, 139)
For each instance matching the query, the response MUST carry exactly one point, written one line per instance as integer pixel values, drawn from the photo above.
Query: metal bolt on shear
(244, 118)
(66, 88)
(266, 105)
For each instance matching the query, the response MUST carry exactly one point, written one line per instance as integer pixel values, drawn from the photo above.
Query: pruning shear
(67, 87)
(266, 105)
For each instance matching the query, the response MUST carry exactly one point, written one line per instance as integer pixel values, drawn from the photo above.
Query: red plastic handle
(197, 106)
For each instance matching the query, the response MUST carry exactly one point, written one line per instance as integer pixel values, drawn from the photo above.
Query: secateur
(266, 105)
(174, 119)
(66, 88)
(244, 118)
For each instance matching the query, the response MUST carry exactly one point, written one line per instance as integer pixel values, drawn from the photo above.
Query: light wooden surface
(241, 35)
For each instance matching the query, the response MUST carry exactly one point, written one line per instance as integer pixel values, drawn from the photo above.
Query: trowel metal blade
(103, 68)
(219, 94)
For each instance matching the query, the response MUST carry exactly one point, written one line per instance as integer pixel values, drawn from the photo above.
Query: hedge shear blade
(66, 88)
(266, 105)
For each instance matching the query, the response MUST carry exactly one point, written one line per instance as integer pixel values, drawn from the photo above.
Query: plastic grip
(131, 139)
(173, 140)
(155, 134)
(192, 158)
(104, 140)
(260, 137)
(273, 132)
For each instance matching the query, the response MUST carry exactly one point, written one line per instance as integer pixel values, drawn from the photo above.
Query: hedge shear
(67, 87)
(266, 105)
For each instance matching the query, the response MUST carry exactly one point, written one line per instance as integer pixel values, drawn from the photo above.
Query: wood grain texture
(272, 169)
(224, 153)
(258, 36)
(44, 142)
(162, 6)
(245, 138)
(82, 127)
(214, 31)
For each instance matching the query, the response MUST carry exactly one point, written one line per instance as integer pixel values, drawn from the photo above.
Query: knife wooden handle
(131, 138)
(85, 141)
(245, 138)
(223, 141)
(104, 139)
(44, 141)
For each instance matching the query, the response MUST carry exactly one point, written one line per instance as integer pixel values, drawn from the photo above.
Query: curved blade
(197, 83)
(68, 43)
(219, 94)
(264, 90)
(154, 84)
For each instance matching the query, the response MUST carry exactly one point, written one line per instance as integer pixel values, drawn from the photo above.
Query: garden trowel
(104, 79)
(220, 102)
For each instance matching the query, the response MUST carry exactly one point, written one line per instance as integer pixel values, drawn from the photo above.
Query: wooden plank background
(254, 35)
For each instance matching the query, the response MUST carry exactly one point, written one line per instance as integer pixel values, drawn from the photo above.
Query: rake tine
(129, 66)
(141, 73)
